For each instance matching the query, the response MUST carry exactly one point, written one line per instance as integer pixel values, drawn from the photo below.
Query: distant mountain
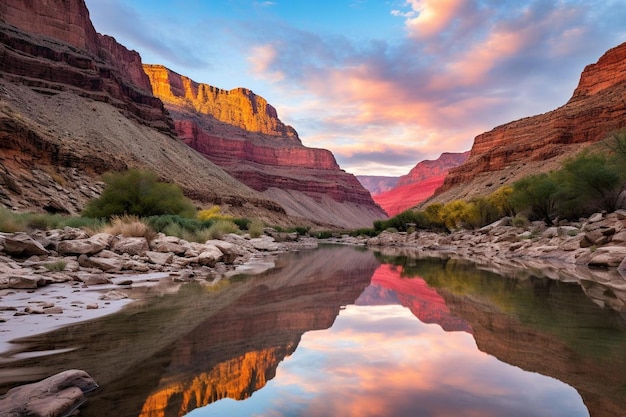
(539, 143)
(419, 184)
(239, 131)
(377, 184)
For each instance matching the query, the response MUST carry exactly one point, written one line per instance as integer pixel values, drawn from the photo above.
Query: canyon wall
(539, 143)
(75, 104)
(419, 184)
(241, 133)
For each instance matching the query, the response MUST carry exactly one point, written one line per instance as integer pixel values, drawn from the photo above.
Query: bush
(255, 228)
(173, 222)
(11, 222)
(221, 228)
(138, 192)
(537, 195)
(130, 226)
(213, 213)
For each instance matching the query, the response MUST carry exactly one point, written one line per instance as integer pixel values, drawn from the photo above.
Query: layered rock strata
(241, 132)
(538, 143)
(75, 104)
(419, 184)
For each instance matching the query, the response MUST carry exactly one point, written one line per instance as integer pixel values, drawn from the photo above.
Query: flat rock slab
(56, 396)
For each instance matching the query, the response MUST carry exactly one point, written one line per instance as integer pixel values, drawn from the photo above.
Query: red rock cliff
(241, 133)
(239, 107)
(595, 110)
(52, 45)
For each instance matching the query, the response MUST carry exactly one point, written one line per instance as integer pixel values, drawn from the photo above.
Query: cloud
(464, 67)
(145, 34)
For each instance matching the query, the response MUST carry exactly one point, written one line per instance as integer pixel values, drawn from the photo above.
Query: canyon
(76, 104)
(239, 131)
(395, 195)
(540, 143)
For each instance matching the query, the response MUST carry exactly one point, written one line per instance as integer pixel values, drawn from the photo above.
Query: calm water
(342, 331)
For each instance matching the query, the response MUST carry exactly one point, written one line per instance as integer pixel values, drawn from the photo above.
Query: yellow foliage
(213, 213)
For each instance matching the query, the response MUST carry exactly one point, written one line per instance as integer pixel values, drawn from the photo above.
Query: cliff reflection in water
(539, 324)
(236, 351)
(203, 349)
(187, 349)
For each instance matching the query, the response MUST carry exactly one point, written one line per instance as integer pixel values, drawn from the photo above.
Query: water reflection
(340, 331)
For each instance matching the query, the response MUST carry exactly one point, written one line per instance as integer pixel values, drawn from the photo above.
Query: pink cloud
(430, 17)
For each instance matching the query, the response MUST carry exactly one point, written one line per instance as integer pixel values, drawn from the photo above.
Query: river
(347, 331)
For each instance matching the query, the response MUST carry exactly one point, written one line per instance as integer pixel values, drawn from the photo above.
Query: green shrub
(537, 195)
(364, 232)
(168, 221)
(139, 193)
(324, 234)
(255, 228)
(221, 228)
(11, 222)
(520, 221)
(242, 223)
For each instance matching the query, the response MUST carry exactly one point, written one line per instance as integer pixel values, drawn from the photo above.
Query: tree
(536, 194)
(138, 192)
(593, 181)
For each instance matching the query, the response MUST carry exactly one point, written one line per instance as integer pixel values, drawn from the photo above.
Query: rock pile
(29, 261)
(599, 241)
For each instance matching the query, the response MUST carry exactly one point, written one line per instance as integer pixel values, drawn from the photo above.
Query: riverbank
(591, 252)
(50, 279)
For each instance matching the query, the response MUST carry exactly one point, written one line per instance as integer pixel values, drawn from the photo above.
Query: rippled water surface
(342, 331)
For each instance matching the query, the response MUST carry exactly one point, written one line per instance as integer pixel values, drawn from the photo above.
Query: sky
(381, 84)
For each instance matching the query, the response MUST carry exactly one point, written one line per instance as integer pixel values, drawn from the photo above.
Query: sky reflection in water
(382, 361)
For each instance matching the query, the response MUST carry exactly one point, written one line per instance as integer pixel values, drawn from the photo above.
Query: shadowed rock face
(524, 146)
(75, 104)
(241, 132)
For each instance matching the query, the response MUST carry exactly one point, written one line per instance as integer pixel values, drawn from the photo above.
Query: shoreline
(104, 280)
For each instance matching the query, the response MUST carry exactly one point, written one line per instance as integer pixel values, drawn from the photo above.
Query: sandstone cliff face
(419, 184)
(537, 143)
(75, 104)
(239, 108)
(241, 133)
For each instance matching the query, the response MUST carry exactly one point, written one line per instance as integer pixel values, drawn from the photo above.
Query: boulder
(88, 246)
(131, 245)
(608, 256)
(265, 243)
(26, 282)
(210, 256)
(160, 258)
(56, 396)
(230, 250)
(20, 244)
(103, 264)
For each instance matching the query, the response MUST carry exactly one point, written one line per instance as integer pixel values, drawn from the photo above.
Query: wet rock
(92, 306)
(20, 244)
(95, 279)
(56, 396)
(113, 296)
(231, 251)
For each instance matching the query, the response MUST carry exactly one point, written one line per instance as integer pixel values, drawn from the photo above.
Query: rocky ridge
(538, 143)
(241, 132)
